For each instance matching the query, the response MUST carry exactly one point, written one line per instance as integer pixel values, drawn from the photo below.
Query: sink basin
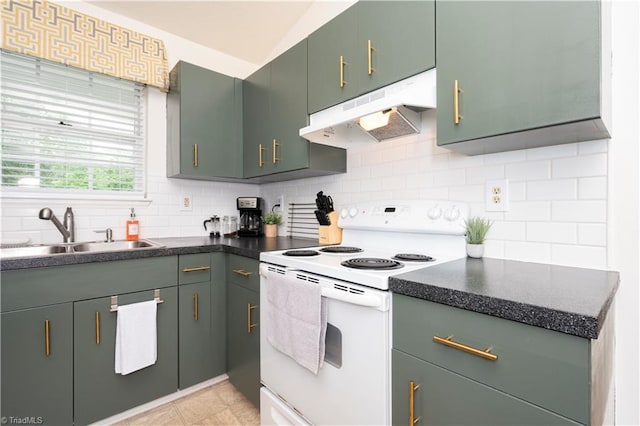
(88, 247)
(113, 246)
(38, 250)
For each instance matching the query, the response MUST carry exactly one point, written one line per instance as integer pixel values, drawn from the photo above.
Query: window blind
(69, 130)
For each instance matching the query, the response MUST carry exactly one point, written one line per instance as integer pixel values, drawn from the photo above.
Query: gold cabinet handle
(370, 50)
(456, 103)
(47, 340)
(260, 152)
(195, 306)
(448, 341)
(195, 155)
(97, 328)
(342, 64)
(243, 273)
(196, 269)
(249, 309)
(413, 387)
(275, 151)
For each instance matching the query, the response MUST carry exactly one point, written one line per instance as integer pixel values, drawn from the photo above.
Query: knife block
(330, 234)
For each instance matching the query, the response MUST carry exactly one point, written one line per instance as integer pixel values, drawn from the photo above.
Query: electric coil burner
(301, 253)
(341, 249)
(371, 263)
(411, 257)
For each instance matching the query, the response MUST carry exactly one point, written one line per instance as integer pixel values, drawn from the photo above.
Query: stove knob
(344, 213)
(434, 213)
(452, 214)
(353, 212)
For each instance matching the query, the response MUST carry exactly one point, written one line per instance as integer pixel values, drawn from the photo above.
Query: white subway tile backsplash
(505, 157)
(592, 147)
(592, 188)
(467, 193)
(449, 177)
(550, 232)
(579, 256)
(507, 231)
(517, 191)
(528, 171)
(583, 165)
(557, 189)
(527, 251)
(529, 211)
(592, 234)
(477, 175)
(579, 211)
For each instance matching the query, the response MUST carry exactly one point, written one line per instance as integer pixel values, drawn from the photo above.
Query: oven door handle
(369, 300)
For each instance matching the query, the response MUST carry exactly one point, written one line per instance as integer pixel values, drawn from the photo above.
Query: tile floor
(219, 404)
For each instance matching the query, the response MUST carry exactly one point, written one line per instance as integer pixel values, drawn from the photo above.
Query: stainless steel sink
(86, 247)
(37, 250)
(113, 246)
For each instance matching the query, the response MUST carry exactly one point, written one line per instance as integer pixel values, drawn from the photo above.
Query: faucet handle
(108, 234)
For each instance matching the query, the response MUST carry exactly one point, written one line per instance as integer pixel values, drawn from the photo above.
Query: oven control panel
(424, 216)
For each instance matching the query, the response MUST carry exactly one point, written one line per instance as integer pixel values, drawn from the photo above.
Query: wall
(558, 195)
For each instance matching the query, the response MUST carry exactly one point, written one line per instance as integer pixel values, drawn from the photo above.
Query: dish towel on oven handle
(296, 319)
(136, 337)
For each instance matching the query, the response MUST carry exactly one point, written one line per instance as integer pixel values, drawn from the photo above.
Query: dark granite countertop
(560, 298)
(248, 247)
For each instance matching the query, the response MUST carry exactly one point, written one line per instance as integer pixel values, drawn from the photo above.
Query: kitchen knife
(322, 217)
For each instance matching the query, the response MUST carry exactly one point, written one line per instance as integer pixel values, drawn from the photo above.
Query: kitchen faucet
(67, 228)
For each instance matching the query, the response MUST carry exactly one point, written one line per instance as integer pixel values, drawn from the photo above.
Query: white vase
(475, 250)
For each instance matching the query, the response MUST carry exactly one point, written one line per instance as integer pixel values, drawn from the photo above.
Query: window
(66, 130)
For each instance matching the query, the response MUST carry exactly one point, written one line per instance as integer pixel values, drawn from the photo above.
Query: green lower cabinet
(441, 397)
(243, 341)
(98, 391)
(37, 365)
(194, 344)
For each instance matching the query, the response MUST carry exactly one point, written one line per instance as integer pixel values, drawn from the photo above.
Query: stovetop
(392, 236)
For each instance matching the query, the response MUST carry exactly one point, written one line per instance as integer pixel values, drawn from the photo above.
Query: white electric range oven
(380, 239)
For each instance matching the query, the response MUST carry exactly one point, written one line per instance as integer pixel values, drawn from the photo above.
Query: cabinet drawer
(544, 367)
(244, 271)
(194, 268)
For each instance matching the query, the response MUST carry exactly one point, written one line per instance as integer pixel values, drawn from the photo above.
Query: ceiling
(248, 30)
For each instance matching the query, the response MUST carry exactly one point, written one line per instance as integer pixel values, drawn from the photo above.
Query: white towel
(297, 319)
(136, 337)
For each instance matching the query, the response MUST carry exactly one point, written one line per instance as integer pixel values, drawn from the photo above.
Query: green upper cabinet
(369, 45)
(528, 74)
(204, 124)
(275, 108)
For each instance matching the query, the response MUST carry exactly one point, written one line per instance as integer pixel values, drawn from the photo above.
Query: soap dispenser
(133, 227)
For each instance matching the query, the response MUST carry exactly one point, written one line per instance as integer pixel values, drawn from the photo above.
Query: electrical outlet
(280, 201)
(186, 202)
(497, 198)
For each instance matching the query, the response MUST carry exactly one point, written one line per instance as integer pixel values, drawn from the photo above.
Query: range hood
(390, 112)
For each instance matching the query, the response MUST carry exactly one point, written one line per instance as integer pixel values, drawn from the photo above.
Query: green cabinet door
(330, 80)
(446, 398)
(243, 341)
(275, 109)
(98, 391)
(204, 124)
(37, 378)
(520, 66)
(218, 314)
(401, 36)
(194, 334)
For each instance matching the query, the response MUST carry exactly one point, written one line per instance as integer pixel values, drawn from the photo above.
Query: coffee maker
(250, 209)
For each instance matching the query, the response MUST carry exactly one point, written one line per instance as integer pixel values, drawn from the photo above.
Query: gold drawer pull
(456, 103)
(249, 325)
(47, 340)
(260, 153)
(243, 273)
(275, 151)
(342, 64)
(97, 328)
(195, 155)
(370, 50)
(195, 306)
(196, 269)
(448, 341)
(413, 387)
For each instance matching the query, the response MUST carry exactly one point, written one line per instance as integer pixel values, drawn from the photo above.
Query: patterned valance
(47, 30)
